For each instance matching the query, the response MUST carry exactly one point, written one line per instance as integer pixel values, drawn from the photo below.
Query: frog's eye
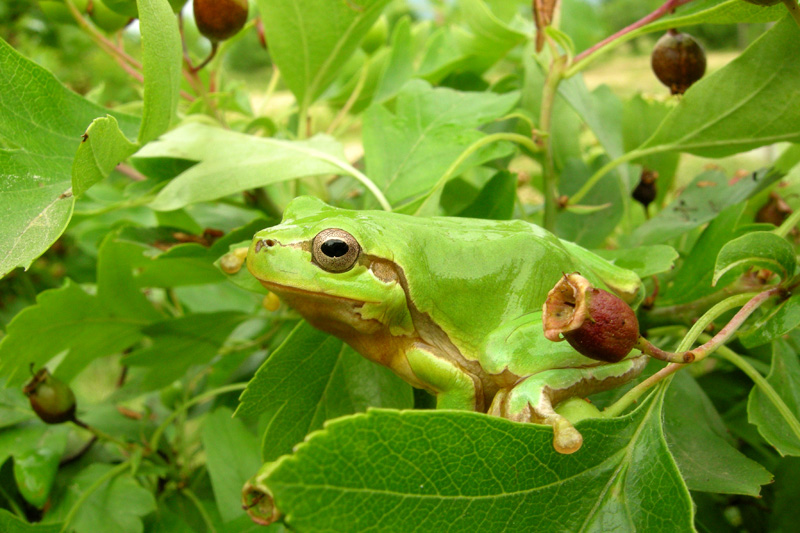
(335, 250)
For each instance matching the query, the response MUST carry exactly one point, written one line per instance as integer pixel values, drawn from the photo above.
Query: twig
(794, 10)
(588, 55)
(130, 172)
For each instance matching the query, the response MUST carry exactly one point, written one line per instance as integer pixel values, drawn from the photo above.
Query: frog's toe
(566, 439)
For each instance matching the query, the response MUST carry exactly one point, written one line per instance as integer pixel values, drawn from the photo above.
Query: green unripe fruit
(51, 398)
(106, 19)
(376, 36)
(678, 61)
(218, 20)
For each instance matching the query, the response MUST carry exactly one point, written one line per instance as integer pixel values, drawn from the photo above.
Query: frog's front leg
(534, 399)
(454, 387)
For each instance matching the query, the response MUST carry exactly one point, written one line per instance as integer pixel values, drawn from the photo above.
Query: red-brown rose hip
(596, 323)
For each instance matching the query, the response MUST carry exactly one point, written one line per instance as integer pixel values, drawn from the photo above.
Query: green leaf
(750, 102)
(232, 455)
(104, 146)
(407, 149)
(66, 319)
(463, 471)
(779, 321)
(310, 378)
(180, 343)
(699, 442)
(645, 260)
(44, 124)
(759, 249)
(10, 523)
(702, 200)
(714, 12)
(693, 279)
(784, 376)
(115, 505)
(35, 468)
(496, 200)
(489, 38)
(161, 66)
(230, 162)
(310, 40)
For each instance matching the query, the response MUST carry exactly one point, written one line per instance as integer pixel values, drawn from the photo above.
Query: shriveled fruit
(646, 191)
(678, 61)
(220, 19)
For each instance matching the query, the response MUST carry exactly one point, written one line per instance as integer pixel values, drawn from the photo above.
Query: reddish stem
(668, 6)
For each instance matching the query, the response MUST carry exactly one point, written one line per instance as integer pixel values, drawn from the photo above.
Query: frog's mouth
(282, 290)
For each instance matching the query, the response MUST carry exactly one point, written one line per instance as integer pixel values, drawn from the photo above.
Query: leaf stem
(741, 363)
(200, 509)
(99, 38)
(194, 401)
(622, 36)
(120, 468)
(362, 79)
(102, 435)
(788, 224)
(794, 10)
(605, 169)
(549, 176)
(351, 171)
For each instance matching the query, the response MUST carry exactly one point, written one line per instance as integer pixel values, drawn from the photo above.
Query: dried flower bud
(775, 211)
(596, 323)
(218, 20)
(678, 61)
(51, 398)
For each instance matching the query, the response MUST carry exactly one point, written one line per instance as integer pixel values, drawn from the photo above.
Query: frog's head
(326, 263)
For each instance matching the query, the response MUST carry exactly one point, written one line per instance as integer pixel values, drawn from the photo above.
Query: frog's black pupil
(334, 248)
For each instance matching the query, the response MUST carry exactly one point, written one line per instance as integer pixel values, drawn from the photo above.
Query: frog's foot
(533, 399)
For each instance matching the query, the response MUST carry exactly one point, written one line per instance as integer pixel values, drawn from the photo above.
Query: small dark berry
(646, 191)
(220, 19)
(678, 61)
(51, 398)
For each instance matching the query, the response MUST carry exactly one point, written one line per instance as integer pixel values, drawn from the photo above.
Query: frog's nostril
(269, 243)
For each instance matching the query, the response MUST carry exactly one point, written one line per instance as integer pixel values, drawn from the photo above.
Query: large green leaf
(117, 504)
(699, 442)
(759, 249)
(66, 319)
(751, 102)
(702, 200)
(310, 378)
(35, 468)
(101, 150)
(408, 148)
(232, 455)
(463, 471)
(231, 162)
(784, 376)
(778, 321)
(44, 124)
(161, 63)
(310, 40)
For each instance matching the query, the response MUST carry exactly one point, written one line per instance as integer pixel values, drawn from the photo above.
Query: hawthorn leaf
(699, 442)
(10, 523)
(407, 149)
(751, 102)
(161, 65)
(646, 261)
(759, 249)
(103, 147)
(35, 468)
(231, 162)
(310, 378)
(232, 455)
(310, 40)
(496, 199)
(465, 471)
(117, 504)
(713, 12)
(778, 321)
(63, 320)
(43, 124)
(701, 201)
(784, 377)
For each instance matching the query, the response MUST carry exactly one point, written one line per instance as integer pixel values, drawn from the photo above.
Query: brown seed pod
(678, 61)
(596, 323)
(51, 398)
(220, 19)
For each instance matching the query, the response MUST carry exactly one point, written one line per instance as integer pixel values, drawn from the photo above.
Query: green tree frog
(451, 305)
